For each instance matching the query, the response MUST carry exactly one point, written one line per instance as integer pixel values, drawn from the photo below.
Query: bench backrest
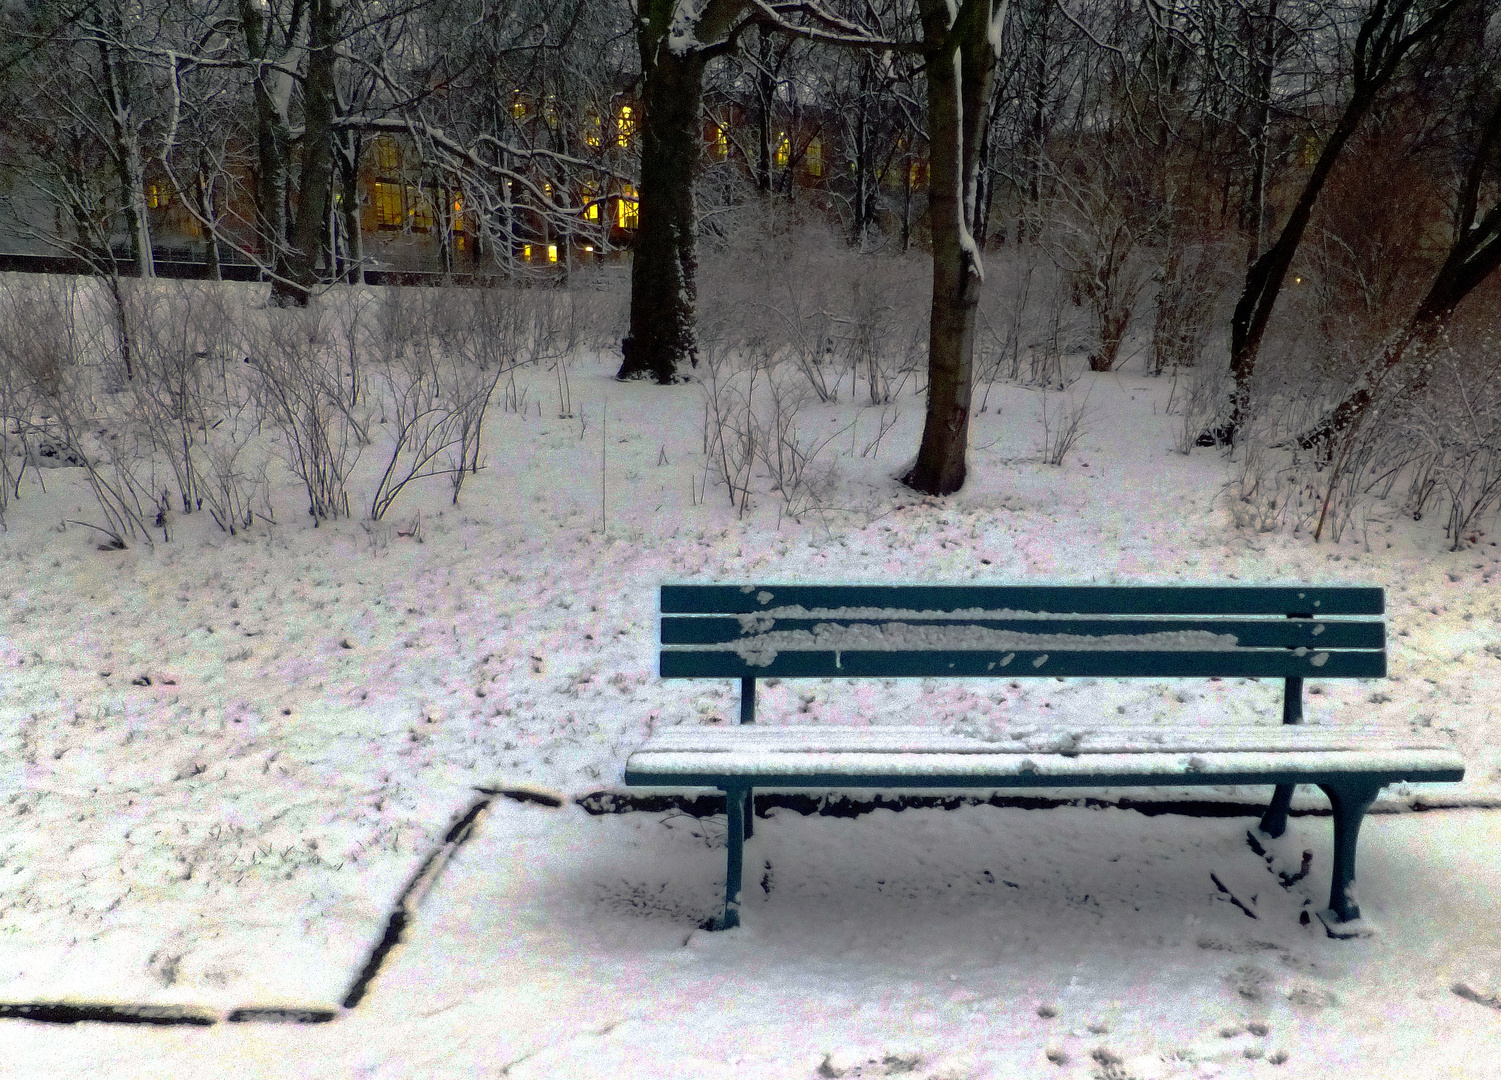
(896, 631)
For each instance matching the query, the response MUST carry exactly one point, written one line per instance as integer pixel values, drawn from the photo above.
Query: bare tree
(676, 40)
(960, 43)
(1387, 33)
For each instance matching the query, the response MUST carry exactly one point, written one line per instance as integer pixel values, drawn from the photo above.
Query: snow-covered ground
(222, 758)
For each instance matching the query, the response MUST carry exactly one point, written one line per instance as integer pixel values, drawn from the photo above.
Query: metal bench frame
(1287, 632)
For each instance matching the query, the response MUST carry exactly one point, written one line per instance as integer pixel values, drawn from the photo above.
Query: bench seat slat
(679, 663)
(1025, 739)
(867, 769)
(1058, 599)
(1265, 633)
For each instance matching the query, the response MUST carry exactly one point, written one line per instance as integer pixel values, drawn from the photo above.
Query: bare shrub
(751, 416)
(1455, 429)
(729, 436)
(788, 287)
(1062, 424)
(166, 395)
(57, 342)
(1095, 235)
(423, 426)
(300, 386)
(1195, 398)
(1191, 280)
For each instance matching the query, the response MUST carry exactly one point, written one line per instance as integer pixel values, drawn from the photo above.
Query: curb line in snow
(407, 901)
(426, 876)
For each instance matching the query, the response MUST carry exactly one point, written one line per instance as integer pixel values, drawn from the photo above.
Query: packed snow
(224, 757)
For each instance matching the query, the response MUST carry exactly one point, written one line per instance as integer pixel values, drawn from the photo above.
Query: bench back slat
(916, 631)
(1267, 633)
(1166, 664)
(1055, 599)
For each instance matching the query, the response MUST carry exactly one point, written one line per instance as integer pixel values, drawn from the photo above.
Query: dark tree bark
(315, 183)
(664, 289)
(1473, 257)
(960, 60)
(204, 192)
(1380, 47)
(272, 137)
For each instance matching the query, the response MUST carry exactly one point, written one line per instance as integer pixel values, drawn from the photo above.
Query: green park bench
(1292, 633)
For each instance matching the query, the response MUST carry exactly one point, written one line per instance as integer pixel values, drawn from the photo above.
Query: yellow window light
(591, 202)
(784, 150)
(814, 158)
(386, 201)
(721, 141)
(518, 106)
(627, 209)
(625, 122)
(592, 135)
(526, 252)
(552, 253)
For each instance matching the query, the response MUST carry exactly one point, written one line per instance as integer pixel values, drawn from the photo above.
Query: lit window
(157, 197)
(518, 106)
(550, 110)
(526, 252)
(419, 209)
(721, 142)
(626, 123)
(458, 243)
(387, 156)
(386, 200)
(458, 213)
(552, 253)
(917, 174)
(627, 209)
(814, 158)
(592, 131)
(591, 202)
(784, 150)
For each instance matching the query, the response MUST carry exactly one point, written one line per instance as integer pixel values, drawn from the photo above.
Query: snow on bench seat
(861, 757)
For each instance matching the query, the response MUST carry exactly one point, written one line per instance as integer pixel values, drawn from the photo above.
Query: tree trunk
(664, 267)
(127, 148)
(960, 64)
(1383, 41)
(269, 91)
(293, 286)
(205, 190)
(347, 160)
(1474, 255)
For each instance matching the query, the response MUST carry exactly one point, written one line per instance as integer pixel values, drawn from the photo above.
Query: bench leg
(1274, 821)
(1350, 802)
(750, 814)
(734, 802)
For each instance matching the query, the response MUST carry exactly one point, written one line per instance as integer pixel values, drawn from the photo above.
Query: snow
(1001, 767)
(221, 759)
(762, 649)
(962, 738)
